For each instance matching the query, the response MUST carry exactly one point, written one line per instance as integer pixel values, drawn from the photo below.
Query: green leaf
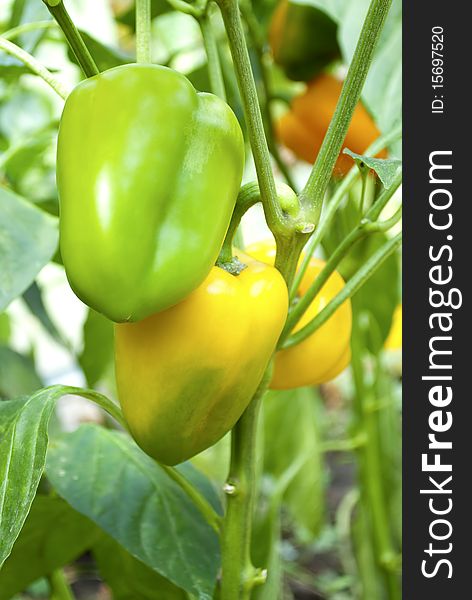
(54, 535)
(5, 329)
(34, 301)
(131, 498)
(290, 421)
(23, 443)
(386, 168)
(130, 578)
(28, 240)
(97, 353)
(18, 376)
(28, 11)
(380, 294)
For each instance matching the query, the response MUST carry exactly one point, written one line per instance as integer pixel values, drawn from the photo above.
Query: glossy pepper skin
(303, 127)
(186, 375)
(303, 39)
(148, 171)
(324, 354)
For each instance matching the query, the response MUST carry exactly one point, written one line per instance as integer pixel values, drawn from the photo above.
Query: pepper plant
(148, 208)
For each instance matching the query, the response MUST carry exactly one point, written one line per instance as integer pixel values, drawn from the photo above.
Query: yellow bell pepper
(325, 353)
(185, 375)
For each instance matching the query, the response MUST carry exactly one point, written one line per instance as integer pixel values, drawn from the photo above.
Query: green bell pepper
(148, 171)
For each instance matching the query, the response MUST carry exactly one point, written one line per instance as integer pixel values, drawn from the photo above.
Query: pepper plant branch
(328, 214)
(258, 47)
(248, 195)
(143, 31)
(351, 287)
(370, 471)
(77, 44)
(14, 32)
(313, 193)
(213, 59)
(367, 226)
(205, 508)
(238, 574)
(195, 10)
(232, 20)
(34, 66)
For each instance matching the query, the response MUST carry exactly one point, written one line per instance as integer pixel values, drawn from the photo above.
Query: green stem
(371, 471)
(143, 31)
(313, 194)
(247, 87)
(34, 66)
(367, 226)
(211, 516)
(77, 44)
(351, 287)
(344, 445)
(213, 58)
(188, 9)
(257, 42)
(248, 195)
(60, 589)
(333, 205)
(238, 574)
(26, 28)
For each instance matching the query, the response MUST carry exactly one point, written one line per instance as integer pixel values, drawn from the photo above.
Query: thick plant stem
(143, 31)
(77, 44)
(34, 66)
(370, 472)
(239, 576)
(242, 65)
(214, 65)
(313, 193)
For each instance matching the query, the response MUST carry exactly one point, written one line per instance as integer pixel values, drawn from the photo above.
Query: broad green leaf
(97, 353)
(23, 443)
(105, 476)
(54, 534)
(28, 240)
(386, 168)
(130, 578)
(290, 421)
(17, 374)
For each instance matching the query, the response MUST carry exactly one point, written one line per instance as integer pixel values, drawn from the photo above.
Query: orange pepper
(302, 129)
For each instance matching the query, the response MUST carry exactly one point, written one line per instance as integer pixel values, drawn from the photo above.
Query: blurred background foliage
(313, 529)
